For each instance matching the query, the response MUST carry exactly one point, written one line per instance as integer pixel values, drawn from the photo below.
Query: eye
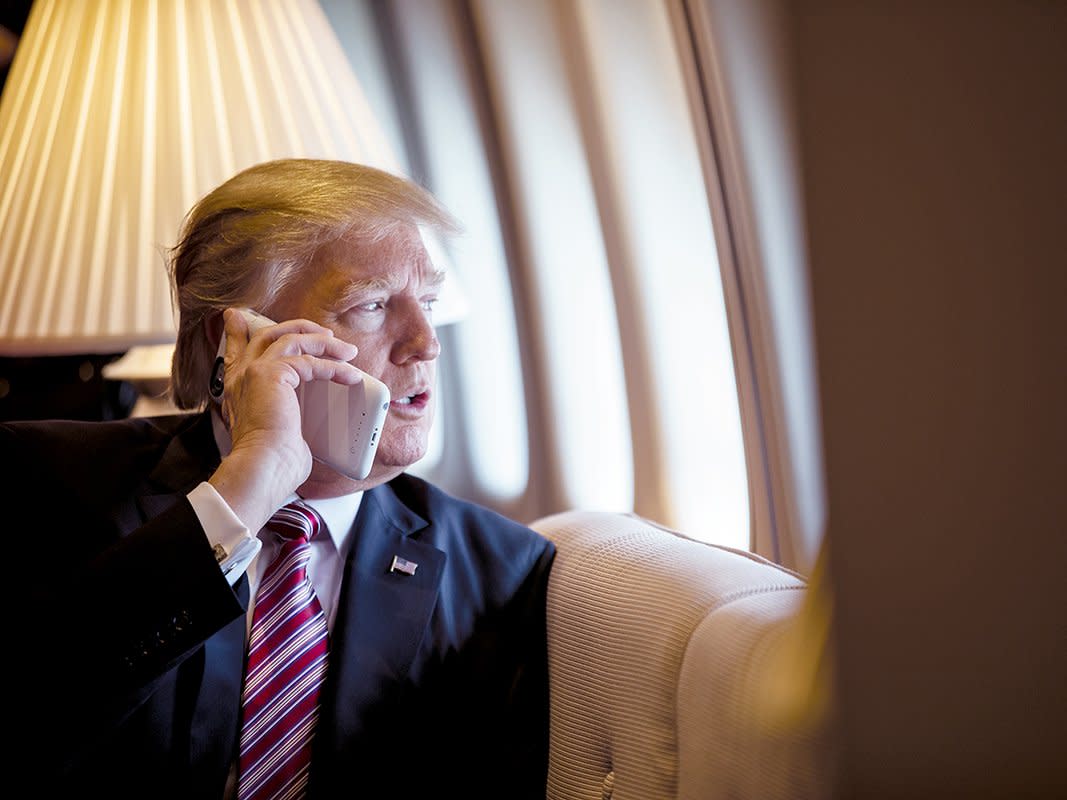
(428, 303)
(371, 305)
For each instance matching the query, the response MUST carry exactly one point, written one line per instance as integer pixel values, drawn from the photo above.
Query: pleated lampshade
(117, 116)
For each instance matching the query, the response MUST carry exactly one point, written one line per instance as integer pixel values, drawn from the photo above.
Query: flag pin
(403, 565)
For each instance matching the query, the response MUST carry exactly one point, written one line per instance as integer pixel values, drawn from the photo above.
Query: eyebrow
(359, 289)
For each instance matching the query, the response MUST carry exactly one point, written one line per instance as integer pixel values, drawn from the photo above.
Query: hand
(270, 458)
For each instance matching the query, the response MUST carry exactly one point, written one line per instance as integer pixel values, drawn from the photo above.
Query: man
(137, 621)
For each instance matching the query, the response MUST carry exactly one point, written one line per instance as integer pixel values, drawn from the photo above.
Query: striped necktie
(287, 655)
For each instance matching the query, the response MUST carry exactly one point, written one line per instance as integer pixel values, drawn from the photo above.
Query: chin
(397, 462)
(399, 449)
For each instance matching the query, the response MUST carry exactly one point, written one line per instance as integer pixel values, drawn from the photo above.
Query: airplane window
(567, 282)
(643, 136)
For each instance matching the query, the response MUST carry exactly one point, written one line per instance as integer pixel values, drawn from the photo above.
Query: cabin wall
(932, 144)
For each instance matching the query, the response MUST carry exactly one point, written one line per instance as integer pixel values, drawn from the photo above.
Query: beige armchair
(680, 669)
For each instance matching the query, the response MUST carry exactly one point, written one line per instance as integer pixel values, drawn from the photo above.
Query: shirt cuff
(233, 544)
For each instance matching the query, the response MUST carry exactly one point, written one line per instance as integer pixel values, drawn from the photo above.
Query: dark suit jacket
(437, 682)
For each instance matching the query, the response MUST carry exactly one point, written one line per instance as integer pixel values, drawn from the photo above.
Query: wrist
(255, 485)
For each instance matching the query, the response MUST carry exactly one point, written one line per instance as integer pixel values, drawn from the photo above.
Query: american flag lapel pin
(403, 565)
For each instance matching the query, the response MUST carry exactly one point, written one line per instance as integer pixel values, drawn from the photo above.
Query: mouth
(410, 402)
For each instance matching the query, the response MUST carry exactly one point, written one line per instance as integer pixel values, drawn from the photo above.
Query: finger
(312, 368)
(272, 331)
(314, 344)
(300, 336)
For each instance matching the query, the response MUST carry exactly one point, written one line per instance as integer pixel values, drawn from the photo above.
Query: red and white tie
(287, 654)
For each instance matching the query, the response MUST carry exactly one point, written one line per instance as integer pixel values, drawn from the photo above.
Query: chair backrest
(673, 668)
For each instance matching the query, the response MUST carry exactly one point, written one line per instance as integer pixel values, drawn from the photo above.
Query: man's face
(378, 296)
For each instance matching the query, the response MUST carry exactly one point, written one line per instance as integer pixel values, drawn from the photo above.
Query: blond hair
(250, 238)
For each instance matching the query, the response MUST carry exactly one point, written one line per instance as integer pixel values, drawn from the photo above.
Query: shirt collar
(339, 514)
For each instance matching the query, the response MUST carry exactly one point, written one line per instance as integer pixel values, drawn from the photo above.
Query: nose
(416, 339)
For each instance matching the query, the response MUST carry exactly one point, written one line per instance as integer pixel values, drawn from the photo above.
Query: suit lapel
(382, 616)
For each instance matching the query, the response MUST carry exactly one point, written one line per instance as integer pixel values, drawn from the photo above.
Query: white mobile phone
(342, 425)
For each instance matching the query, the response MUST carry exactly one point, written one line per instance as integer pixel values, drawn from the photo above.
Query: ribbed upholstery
(658, 649)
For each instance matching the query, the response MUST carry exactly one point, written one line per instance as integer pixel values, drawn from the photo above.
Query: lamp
(117, 116)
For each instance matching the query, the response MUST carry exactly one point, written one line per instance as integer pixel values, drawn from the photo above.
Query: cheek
(373, 355)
